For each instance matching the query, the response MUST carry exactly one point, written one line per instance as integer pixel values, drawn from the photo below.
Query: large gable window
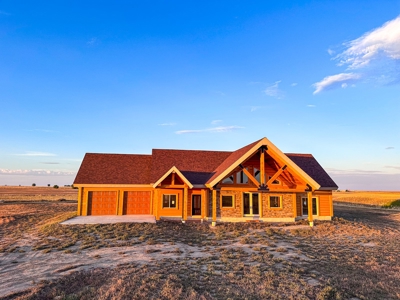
(241, 177)
(169, 201)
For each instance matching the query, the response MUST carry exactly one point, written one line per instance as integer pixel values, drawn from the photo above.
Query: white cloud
(167, 124)
(33, 153)
(311, 105)
(376, 53)
(216, 122)
(35, 172)
(381, 42)
(214, 129)
(294, 84)
(334, 81)
(274, 91)
(330, 51)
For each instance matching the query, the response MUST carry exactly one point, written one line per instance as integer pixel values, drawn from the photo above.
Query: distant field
(368, 198)
(15, 193)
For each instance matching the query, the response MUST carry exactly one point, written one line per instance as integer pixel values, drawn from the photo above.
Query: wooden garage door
(102, 203)
(137, 203)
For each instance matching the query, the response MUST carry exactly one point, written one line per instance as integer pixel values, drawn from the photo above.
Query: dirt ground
(36, 193)
(355, 256)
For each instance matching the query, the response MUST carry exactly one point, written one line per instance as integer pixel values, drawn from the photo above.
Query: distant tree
(56, 186)
(33, 184)
(48, 184)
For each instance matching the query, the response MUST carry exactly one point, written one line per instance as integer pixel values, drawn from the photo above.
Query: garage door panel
(102, 203)
(137, 203)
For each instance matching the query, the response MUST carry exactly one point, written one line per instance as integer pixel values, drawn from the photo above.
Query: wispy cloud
(35, 172)
(334, 171)
(334, 81)
(255, 108)
(274, 91)
(214, 122)
(33, 153)
(376, 53)
(93, 41)
(44, 130)
(50, 163)
(214, 129)
(167, 124)
(4, 13)
(389, 148)
(311, 105)
(393, 167)
(294, 84)
(330, 51)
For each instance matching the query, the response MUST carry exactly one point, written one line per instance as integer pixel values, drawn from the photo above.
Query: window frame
(169, 201)
(233, 201)
(275, 207)
(316, 205)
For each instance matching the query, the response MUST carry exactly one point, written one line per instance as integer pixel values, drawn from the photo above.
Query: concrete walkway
(110, 219)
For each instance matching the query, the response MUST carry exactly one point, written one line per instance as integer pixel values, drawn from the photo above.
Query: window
(241, 177)
(227, 201)
(276, 181)
(228, 180)
(169, 201)
(314, 206)
(275, 201)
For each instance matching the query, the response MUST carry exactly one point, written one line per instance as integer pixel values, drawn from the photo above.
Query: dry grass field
(382, 199)
(37, 193)
(356, 256)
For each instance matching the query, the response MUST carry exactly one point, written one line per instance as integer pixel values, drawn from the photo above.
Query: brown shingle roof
(100, 168)
(198, 166)
(234, 156)
(310, 165)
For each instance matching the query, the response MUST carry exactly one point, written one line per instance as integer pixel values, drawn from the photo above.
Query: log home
(256, 182)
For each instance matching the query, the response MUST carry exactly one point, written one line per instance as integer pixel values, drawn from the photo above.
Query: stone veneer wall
(286, 211)
(234, 212)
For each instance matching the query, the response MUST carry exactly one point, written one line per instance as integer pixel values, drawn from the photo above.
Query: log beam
(276, 175)
(214, 207)
(310, 212)
(262, 167)
(185, 203)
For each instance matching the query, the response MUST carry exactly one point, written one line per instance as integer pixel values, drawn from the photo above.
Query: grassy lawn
(356, 255)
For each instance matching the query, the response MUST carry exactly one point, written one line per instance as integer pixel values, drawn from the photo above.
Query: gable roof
(244, 153)
(196, 167)
(100, 168)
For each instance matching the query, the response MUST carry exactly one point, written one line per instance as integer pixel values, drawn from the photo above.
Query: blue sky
(318, 77)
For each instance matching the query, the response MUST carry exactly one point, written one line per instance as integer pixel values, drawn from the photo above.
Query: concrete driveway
(110, 219)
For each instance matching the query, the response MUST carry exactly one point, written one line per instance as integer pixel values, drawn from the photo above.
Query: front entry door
(250, 204)
(196, 205)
